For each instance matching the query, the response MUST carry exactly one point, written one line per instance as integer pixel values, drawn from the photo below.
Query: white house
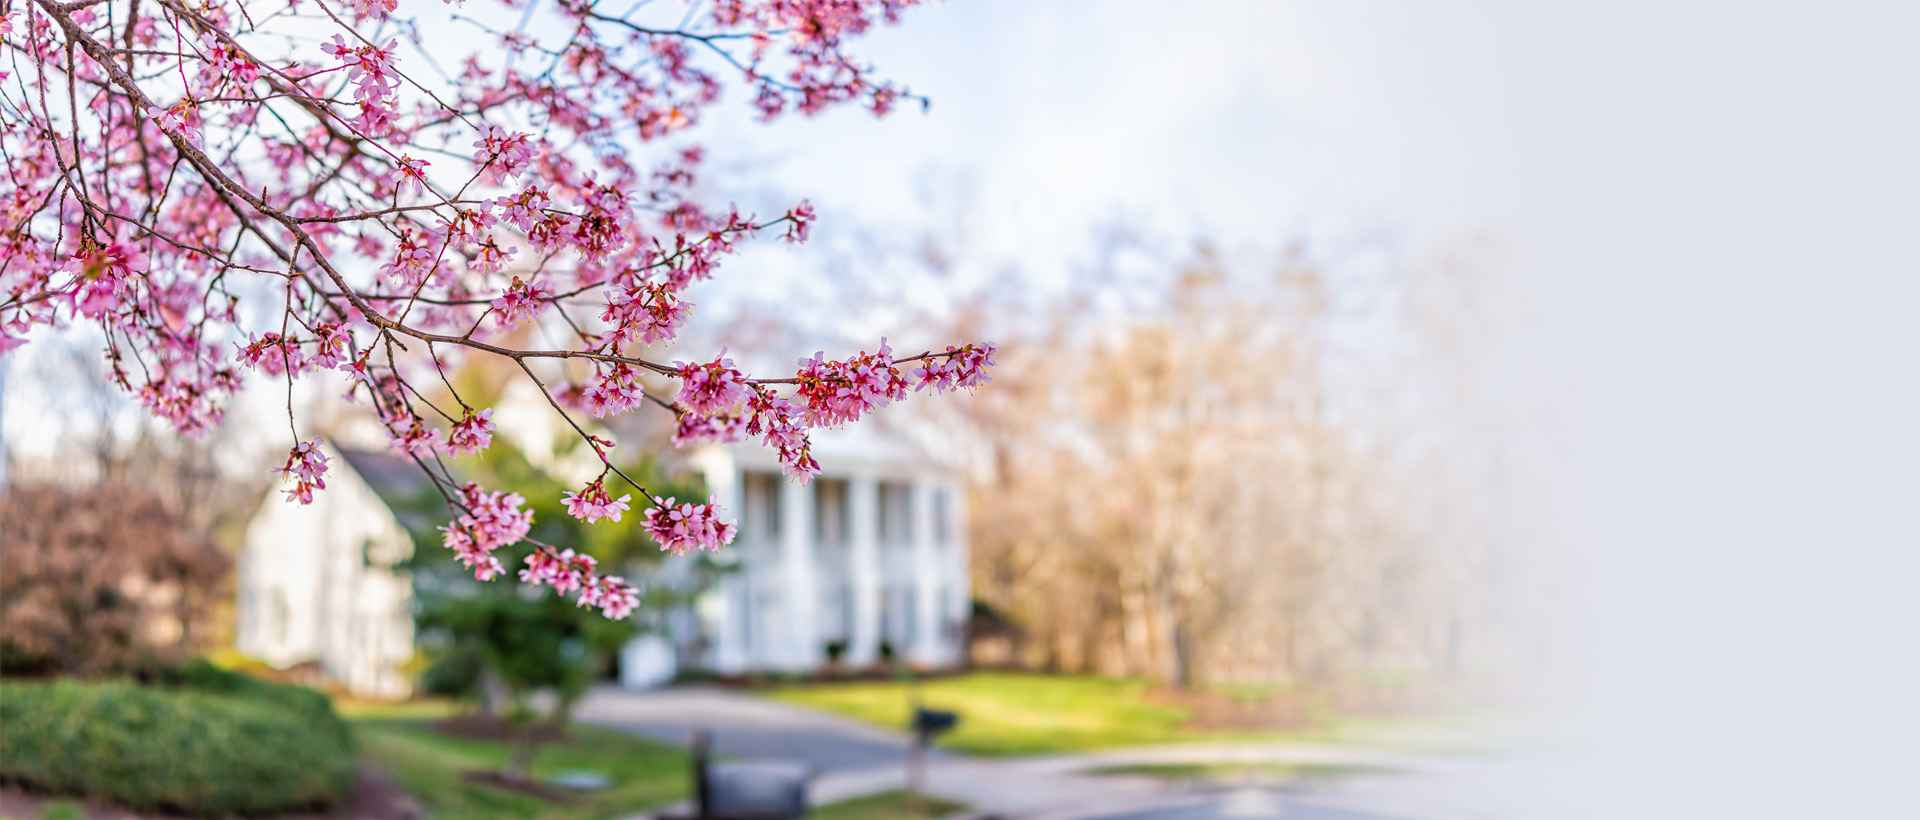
(319, 583)
(870, 555)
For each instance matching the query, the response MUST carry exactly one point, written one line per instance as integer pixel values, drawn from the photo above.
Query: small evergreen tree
(521, 653)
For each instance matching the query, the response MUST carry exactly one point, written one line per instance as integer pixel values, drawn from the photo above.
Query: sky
(1244, 124)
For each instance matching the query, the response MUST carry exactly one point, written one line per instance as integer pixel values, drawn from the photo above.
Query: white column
(719, 611)
(961, 605)
(863, 565)
(926, 579)
(800, 596)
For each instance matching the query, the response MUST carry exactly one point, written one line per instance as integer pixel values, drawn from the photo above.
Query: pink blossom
(490, 257)
(679, 528)
(408, 436)
(837, 392)
(593, 503)
(712, 388)
(618, 390)
(273, 355)
(330, 344)
(777, 421)
(103, 275)
(693, 428)
(958, 367)
(522, 210)
(568, 572)
(473, 433)
(563, 570)
(306, 464)
(410, 176)
(414, 256)
(800, 222)
(614, 596)
(504, 154)
(373, 9)
(648, 311)
(520, 302)
(488, 521)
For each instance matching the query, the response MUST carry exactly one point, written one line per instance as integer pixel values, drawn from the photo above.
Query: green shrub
(202, 676)
(203, 741)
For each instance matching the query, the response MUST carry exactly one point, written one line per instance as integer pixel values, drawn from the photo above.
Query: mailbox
(930, 723)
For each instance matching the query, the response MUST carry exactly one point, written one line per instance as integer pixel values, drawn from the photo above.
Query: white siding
(316, 586)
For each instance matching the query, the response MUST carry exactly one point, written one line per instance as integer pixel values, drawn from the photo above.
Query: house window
(898, 619)
(896, 513)
(836, 611)
(762, 513)
(830, 512)
(942, 512)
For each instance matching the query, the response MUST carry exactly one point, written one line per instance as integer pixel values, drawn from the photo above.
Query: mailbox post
(927, 724)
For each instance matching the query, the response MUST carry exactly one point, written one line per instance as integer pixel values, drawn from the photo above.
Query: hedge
(197, 740)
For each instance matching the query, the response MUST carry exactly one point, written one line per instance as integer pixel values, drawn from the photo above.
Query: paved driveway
(745, 726)
(1245, 802)
(854, 759)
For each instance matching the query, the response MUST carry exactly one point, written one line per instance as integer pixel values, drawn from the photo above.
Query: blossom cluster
(571, 573)
(713, 388)
(779, 424)
(472, 433)
(488, 521)
(837, 392)
(306, 464)
(375, 83)
(680, 527)
(593, 503)
(964, 366)
(521, 301)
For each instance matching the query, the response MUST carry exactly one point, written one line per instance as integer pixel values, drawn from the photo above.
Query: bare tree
(100, 578)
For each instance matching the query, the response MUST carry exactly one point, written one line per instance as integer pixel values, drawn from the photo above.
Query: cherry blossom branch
(161, 160)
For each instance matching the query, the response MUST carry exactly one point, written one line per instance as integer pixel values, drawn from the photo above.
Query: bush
(202, 740)
(202, 676)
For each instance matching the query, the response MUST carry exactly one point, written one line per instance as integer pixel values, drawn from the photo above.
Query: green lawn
(401, 741)
(1012, 714)
(1007, 714)
(885, 806)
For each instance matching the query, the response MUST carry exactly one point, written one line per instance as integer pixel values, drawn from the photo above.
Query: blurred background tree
(101, 579)
(1277, 473)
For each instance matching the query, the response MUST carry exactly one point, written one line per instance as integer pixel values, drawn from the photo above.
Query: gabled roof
(394, 479)
(389, 475)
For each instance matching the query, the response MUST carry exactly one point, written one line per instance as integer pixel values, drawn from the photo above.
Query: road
(744, 726)
(853, 759)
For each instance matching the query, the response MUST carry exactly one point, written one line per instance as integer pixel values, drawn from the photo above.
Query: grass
(63, 810)
(1244, 771)
(885, 806)
(400, 740)
(1010, 714)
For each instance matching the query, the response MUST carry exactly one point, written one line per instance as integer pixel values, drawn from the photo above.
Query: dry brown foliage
(100, 579)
